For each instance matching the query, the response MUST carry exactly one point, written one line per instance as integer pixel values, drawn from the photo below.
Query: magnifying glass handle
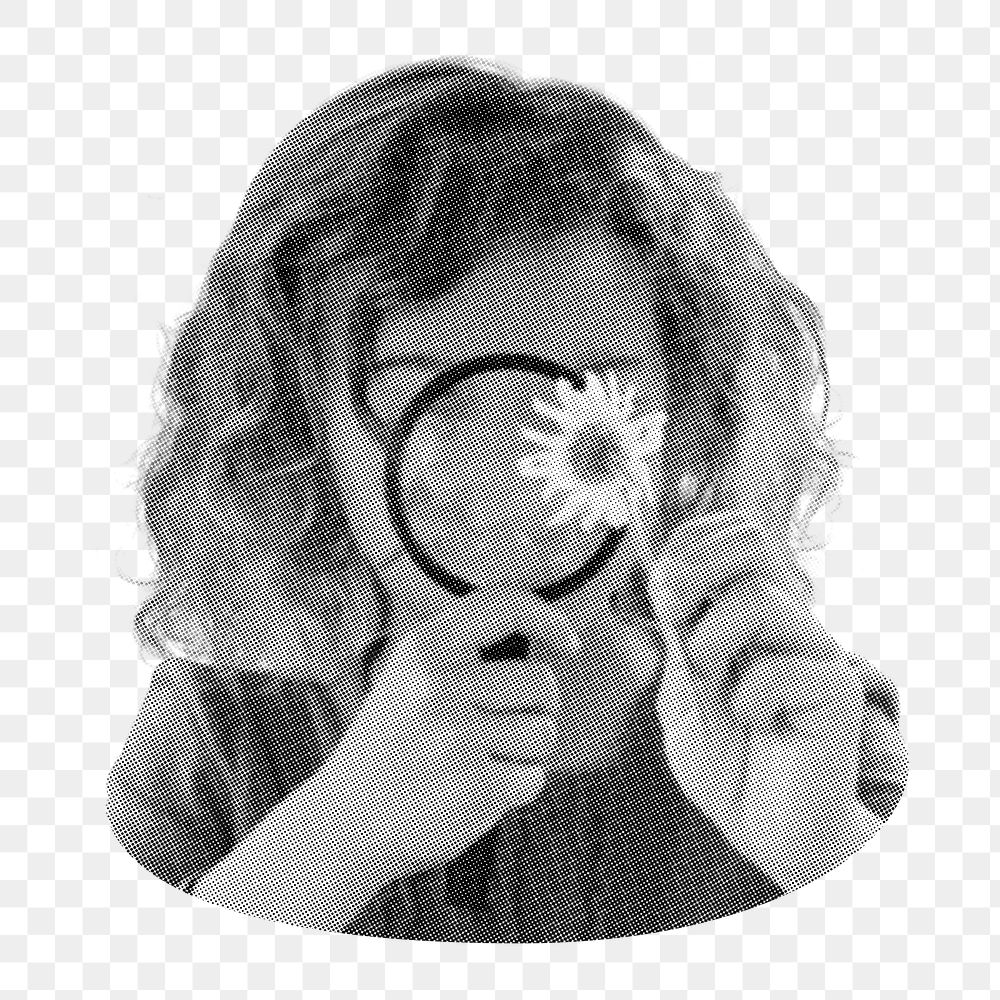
(510, 647)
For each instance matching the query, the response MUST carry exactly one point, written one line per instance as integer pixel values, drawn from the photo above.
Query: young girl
(324, 743)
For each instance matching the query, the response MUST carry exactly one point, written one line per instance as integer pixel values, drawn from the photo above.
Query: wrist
(346, 833)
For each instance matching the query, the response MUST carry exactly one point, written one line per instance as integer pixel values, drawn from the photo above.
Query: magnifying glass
(456, 494)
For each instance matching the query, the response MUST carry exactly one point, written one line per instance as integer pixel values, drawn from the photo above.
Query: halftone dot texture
(855, 140)
(461, 492)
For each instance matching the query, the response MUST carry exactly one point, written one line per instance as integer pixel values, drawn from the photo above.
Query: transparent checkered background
(856, 140)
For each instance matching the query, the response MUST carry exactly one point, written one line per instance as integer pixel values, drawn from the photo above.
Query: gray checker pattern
(855, 137)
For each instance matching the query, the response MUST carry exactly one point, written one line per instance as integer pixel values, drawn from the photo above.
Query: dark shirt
(609, 853)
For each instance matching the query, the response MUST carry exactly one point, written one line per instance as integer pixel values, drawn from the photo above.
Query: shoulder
(251, 708)
(187, 691)
(193, 682)
(174, 721)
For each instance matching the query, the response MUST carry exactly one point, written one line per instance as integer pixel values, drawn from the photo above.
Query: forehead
(580, 300)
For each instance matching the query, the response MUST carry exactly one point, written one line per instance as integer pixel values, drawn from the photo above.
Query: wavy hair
(388, 194)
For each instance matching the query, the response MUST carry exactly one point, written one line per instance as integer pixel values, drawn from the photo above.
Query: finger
(792, 694)
(883, 763)
(679, 704)
(478, 740)
(880, 691)
(520, 783)
(751, 619)
(486, 616)
(694, 568)
(684, 703)
(399, 677)
(506, 687)
(704, 525)
(803, 719)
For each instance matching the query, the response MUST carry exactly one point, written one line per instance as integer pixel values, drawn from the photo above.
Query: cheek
(413, 596)
(620, 660)
(612, 617)
(360, 466)
(360, 472)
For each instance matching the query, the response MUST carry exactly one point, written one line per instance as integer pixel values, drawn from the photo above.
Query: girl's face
(579, 301)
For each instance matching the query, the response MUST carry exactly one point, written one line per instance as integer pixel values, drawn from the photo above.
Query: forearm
(297, 866)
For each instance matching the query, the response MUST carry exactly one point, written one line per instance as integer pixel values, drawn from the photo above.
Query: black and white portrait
(489, 450)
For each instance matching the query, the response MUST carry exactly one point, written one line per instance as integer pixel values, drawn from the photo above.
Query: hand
(764, 716)
(444, 743)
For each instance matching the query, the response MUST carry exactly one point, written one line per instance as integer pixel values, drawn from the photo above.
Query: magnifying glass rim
(404, 425)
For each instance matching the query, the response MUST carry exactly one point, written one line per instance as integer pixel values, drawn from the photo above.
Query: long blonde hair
(387, 194)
